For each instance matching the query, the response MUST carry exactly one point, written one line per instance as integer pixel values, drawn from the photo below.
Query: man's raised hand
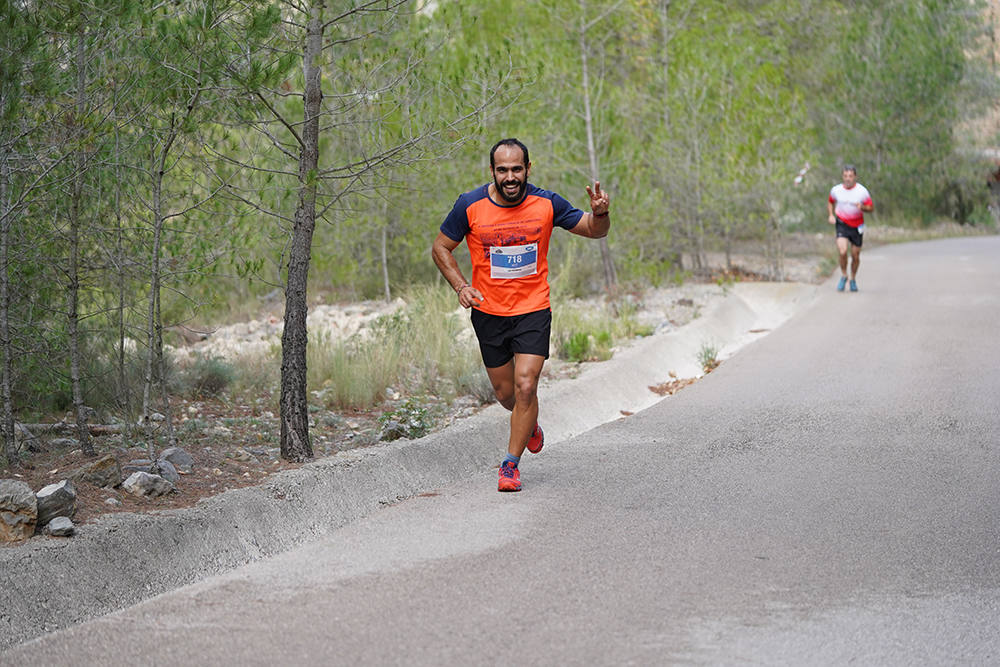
(599, 199)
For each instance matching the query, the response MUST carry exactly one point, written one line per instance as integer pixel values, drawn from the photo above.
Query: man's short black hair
(850, 167)
(509, 142)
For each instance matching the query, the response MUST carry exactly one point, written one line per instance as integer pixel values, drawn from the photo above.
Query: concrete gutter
(122, 559)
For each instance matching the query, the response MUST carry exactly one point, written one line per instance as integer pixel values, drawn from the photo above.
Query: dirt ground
(232, 445)
(236, 445)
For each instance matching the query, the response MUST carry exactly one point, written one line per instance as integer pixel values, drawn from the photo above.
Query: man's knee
(525, 389)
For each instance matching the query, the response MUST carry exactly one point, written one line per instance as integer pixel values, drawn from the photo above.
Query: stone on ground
(144, 484)
(105, 471)
(60, 526)
(54, 500)
(18, 511)
(183, 462)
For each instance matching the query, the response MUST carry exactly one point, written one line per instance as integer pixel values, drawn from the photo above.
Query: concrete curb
(606, 389)
(122, 559)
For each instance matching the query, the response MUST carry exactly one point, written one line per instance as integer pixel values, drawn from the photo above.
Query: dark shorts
(500, 337)
(852, 234)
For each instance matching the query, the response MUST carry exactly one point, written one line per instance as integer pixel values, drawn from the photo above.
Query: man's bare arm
(442, 251)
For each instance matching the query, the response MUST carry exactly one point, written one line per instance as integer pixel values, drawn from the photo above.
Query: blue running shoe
(854, 286)
(842, 283)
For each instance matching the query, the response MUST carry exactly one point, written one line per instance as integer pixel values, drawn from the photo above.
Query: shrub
(420, 349)
(576, 347)
(208, 376)
(409, 420)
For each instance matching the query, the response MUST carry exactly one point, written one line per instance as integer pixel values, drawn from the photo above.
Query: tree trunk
(73, 325)
(154, 340)
(665, 38)
(385, 251)
(154, 291)
(161, 371)
(727, 240)
(6, 348)
(700, 261)
(123, 395)
(610, 276)
(779, 251)
(295, 444)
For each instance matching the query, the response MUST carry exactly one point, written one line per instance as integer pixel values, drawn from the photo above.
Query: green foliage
(625, 323)
(578, 337)
(412, 421)
(708, 357)
(351, 374)
(703, 111)
(420, 349)
(208, 377)
(579, 333)
(193, 427)
(577, 347)
(904, 77)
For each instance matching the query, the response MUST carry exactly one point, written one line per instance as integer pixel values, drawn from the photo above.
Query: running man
(507, 225)
(848, 203)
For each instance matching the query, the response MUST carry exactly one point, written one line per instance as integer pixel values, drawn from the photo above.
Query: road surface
(830, 495)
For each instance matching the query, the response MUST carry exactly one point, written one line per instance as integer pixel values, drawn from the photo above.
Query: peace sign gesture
(599, 199)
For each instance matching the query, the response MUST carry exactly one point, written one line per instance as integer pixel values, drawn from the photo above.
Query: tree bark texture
(161, 371)
(6, 348)
(295, 443)
(154, 293)
(153, 335)
(610, 275)
(389, 215)
(73, 324)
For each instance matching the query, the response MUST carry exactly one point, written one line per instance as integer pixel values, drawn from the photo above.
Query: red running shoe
(537, 440)
(510, 478)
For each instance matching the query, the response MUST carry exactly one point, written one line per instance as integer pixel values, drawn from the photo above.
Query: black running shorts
(852, 234)
(500, 337)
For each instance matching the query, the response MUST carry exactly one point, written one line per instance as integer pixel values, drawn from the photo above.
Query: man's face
(510, 174)
(850, 178)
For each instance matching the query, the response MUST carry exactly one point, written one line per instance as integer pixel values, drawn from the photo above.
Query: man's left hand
(599, 199)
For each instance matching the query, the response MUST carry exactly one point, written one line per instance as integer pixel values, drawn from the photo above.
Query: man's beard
(517, 196)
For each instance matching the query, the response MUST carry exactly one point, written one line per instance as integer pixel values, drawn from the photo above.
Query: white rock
(144, 484)
(56, 500)
(60, 526)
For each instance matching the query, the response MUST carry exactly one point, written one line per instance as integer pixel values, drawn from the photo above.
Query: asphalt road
(830, 495)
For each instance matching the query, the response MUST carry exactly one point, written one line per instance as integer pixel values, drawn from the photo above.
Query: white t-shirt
(847, 203)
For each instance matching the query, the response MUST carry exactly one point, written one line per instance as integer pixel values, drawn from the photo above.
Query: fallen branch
(66, 428)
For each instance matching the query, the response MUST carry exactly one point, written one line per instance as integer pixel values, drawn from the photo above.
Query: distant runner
(848, 203)
(507, 225)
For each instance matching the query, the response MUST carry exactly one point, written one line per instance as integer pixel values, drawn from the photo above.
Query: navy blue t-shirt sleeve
(563, 213)
(456, 225)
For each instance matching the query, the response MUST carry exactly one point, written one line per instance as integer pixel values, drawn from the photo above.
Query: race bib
(514, 261)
